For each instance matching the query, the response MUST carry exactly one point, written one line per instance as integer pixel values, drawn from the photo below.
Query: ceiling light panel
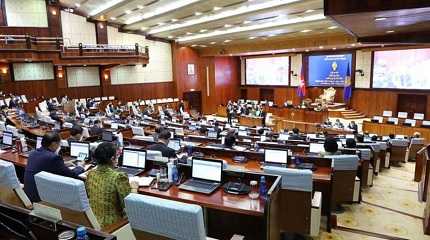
(104, 7)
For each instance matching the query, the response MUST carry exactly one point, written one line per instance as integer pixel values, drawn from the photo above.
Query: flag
(347, 90)
(301, 89)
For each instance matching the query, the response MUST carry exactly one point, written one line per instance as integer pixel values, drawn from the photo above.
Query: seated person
(352, 125)
(374, 138)
(161, 145)
(338, 124)
(360, 138)
(416, 135)
(75, 134)
(217, 129)
(157, 132)
(46, 159)
(330, 146)
(350, 143)
(295, 135)
(391, 136)
(97, 128)
(229, 140)
(327, 123)
(107, 188)
(53, 115)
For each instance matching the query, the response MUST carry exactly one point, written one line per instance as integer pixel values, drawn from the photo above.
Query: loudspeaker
(52, 2)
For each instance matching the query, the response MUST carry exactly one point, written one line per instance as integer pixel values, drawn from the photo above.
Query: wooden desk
(250, 121)
(299, 115)
(384, 129)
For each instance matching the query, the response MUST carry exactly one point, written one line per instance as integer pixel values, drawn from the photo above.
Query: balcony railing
(104, 49)
(27, 42)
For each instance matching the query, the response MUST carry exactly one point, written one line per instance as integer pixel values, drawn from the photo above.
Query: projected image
(328, 70)
(403, 69)
(267, 71)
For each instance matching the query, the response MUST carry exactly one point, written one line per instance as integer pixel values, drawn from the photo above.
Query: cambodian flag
(347, 90)
(301, 89)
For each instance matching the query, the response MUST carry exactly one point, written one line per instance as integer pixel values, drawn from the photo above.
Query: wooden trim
(3, 17)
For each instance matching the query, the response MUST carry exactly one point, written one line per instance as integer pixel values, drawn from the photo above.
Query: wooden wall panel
(81, 92)
(227, 79)
(182, 56)
(3, 20)
(43, 88)
(144, 91)
(101, 32)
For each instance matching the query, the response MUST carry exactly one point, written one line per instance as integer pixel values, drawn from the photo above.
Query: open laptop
(174, 144)
(7, 141)
(275, 157)
(206, 176)
(133, 161)
(212, 134)
(316, 148)
(138, 131)
(80, 150)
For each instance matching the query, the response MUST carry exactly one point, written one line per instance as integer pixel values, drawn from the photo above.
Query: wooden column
(101, 32)
(3, 19)
(54, 20)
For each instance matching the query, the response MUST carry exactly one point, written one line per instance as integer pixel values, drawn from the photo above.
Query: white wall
(159, 69)
(364, 62)
(83, 76)
(33, 71)
(26, 13)
(77, 30)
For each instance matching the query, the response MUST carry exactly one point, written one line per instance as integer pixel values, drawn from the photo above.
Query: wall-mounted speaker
(52, 2)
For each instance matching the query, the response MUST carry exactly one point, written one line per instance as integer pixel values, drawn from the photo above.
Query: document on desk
(143, 181)
(239, 148)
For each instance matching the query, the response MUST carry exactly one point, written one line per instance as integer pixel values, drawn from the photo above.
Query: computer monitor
(311, 135)
(133, 158)
(316, 148)
(76, 148)
(138, 131)
(283, 137)
(7, 138)
(39, 142)
(242, 133)
(107, 136)
(419, 116)
(154, 155)
(402, 115)
(350, 136)
(212, 134)
(207, 169)
(387, 114)
(174, 144)
(276, 156)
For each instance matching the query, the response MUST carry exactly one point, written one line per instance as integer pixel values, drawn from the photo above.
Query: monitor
(39, 142)
(154, 155)
(419, 116)
(385, 138)
(8, 138)
(76, 148)
(400, 136)
(212, 134)
(114, 125)
(316, 148)
(402, 115)
(311, 136)
(138, 131)
(207, 169)
(387, 114)
(412, 122)
(426, 123)
(133, 158)
(275, 156)
(174, 144)
(350, 136)
(242, 133)
(107, 136)
(393, 120)
(379, 119)
(283, 136)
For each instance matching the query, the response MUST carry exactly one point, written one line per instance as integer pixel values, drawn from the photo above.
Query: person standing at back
(46, 159)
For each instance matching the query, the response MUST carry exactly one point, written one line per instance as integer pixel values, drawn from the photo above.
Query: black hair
(360, 138)
(104, 153)
(203, 130)
(296, 131)
(350, 143)
(164, 134)
(260, 131)
(330, 145)
(392, 136)
(374, 138)
(97, 121)
(49, 138)
(229, 140)
(75, 130)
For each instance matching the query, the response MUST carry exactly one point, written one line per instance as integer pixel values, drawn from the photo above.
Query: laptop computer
(7, 141)
(133, 161)
(174, 144)
(206, 176)
(80, 150)
(316, 148)
(275, 157)
(138, 131)
(212, 134)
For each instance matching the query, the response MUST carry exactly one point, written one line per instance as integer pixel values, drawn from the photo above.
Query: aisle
(389, 210)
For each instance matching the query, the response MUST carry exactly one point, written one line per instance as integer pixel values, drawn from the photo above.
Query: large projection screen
(267, 71)
(402, 69)
(329, 70)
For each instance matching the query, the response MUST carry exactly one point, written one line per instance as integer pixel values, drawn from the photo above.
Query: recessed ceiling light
(102, 7)
(334, 48)
(203, 46)
(140, 6)
(227, 25)
(160, 24)
(217, 8)
(113, 18)
(188, 33)
(143, 28)
(193, 45)
(212, 43)
(306, 30)
(77, 5)
(353, 44)
(174, 20)
(227, 40)
(321, 47)
(198, 13)
(293, 49)
(127, 11)
(246, 22)
(307, 50)
(271, 35)
(390, 31)
(309, 10)
(170, 37)
(252, 37)
(380, 18)
(332, 27)
(203, 30)
(102, 17)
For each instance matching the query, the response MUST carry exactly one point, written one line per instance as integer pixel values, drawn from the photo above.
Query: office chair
(296, 201)
(11, 190)
(153, 218)
(346, 184)
(70, 197)
(398, 150)
(414, 147)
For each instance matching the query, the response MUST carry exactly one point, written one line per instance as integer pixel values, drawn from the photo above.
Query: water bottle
(81, 233)
(170, 171)
(263, 188)
(175, 173)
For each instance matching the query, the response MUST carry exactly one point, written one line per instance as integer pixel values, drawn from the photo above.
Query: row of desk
(385, 129)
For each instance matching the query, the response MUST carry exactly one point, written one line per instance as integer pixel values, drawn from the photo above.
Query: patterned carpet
(389, 210)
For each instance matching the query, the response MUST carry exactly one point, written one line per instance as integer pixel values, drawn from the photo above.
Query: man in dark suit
(161, 145)
(46, 159)
(97, 129)
(296, 135)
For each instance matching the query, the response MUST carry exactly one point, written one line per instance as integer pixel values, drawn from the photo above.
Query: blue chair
(346, 184)
(11, 190)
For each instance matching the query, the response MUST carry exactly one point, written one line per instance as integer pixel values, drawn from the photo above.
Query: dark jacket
(95, 130)
(165, 150)
(40, 160)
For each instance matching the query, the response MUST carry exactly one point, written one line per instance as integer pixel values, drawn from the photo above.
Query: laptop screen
(39, 142)
(212, 134)
(174, 144)
(207, 170)
(316, 148)
(107, 136)
(7, 138)
(275, 156)
(77, 148)
(134, 158)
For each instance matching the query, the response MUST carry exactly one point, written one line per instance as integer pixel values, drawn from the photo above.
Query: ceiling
(212, 23)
